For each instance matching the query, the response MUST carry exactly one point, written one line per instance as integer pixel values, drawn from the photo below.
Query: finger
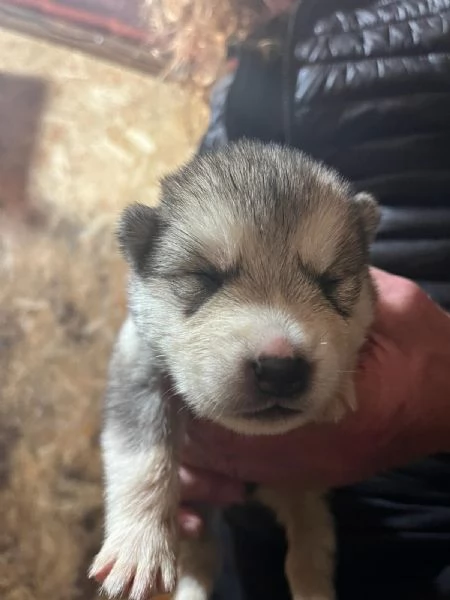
(190, 523)
(199, 485)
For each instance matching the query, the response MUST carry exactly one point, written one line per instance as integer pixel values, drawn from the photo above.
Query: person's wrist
(435, 386)
(430, 431)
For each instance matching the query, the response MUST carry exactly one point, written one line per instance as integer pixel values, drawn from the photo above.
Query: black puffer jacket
(367, 91)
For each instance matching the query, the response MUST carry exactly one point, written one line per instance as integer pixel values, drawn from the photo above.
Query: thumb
(200, 485)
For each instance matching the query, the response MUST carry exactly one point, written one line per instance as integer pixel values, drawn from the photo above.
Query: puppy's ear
(138, 229)
(369, 213)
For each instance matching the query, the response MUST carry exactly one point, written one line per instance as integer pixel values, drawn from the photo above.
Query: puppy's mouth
(271, 413)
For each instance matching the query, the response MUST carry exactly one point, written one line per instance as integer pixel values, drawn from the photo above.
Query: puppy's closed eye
(329, 284)
(339, 287)
(194, 287)
(340, 291)
(210, 279)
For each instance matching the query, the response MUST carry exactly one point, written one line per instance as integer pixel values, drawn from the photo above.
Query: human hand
(402, 391)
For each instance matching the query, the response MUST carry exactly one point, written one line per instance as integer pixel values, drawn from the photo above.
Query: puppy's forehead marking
(321, 234)
(218, 235)
(242, 203)
(223, 238)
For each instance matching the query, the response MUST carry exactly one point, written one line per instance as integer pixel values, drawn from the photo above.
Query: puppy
(249, 297)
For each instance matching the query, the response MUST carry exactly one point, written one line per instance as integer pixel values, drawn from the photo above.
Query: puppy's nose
(282, 376)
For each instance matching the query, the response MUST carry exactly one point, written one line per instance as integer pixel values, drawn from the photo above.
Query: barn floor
(79, 139)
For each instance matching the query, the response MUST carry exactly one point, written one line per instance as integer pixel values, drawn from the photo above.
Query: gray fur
(137, 399)
(251, 241)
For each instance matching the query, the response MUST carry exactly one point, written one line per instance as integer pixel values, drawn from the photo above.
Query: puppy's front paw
(139, 561)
